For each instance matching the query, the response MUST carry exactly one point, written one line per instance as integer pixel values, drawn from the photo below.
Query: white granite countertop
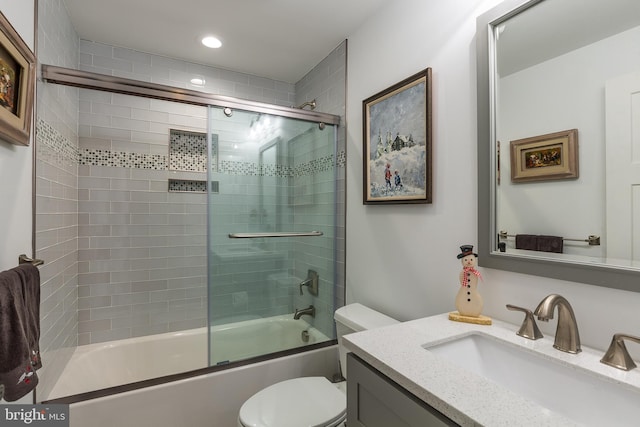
(465, 397)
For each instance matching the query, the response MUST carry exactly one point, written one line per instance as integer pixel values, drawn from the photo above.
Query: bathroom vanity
(373, 400)
(434, 371)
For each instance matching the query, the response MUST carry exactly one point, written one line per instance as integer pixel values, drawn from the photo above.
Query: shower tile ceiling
(276, 39)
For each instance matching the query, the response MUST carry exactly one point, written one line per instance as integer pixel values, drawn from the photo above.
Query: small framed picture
(397, 160)
(17, 83)
(546, 157)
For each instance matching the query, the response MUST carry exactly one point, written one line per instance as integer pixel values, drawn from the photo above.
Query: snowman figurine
(468, 300)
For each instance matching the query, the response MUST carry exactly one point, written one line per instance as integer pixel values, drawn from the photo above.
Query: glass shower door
(272, 183)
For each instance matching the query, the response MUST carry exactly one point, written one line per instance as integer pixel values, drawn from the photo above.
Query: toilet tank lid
(360, 318)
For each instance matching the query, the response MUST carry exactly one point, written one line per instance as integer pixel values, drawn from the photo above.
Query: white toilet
(311, 401)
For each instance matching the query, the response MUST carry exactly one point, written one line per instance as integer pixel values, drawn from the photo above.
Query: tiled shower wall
(326, 83)
(314, 209)
(59, 153)
(56, 228)
(132, 283)
(142, 249)
(102, 317)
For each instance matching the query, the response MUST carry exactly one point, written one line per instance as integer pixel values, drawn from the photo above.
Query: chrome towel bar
(23, 259)
(592, 240)
(275, 234)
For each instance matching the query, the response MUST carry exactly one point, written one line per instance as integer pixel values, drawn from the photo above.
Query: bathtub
(102, 365)
(208, 400)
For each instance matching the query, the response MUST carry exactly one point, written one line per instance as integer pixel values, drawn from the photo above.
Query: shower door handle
(275, 234)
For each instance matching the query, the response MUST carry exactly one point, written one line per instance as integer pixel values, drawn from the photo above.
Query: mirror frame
(599, 274)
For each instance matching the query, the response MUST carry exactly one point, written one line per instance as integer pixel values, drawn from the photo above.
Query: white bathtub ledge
(468, 399)
(102, 365)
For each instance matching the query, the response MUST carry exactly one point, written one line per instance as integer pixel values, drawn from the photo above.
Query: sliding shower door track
(184, 375)
(88, 80)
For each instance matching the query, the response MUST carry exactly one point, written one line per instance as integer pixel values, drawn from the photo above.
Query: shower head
(311, 104)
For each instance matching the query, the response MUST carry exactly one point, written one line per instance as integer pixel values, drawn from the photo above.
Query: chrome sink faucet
(309, 311)
(567, 336)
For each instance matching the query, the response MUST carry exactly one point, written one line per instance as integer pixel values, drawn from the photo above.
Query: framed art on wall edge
(17, 85)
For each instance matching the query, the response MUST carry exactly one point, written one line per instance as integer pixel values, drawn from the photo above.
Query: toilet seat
(307, 401)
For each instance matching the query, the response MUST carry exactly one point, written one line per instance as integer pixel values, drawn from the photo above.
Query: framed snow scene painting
(397, 143)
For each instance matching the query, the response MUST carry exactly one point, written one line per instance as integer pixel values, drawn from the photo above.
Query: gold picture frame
(547, 157)
(397, 143)
(17, 85)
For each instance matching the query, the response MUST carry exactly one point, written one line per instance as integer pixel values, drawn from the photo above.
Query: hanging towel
(527, 241)
(19, 330)
(550, 244)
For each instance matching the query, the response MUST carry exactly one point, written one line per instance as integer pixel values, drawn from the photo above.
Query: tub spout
(309, 311)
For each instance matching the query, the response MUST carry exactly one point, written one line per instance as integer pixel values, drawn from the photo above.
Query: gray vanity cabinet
(373, 400)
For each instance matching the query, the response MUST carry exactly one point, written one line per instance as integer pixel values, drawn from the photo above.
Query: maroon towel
(550, 244)
(527, 241)
(19, 330)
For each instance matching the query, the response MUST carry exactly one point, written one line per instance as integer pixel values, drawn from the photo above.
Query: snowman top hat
(466, 250)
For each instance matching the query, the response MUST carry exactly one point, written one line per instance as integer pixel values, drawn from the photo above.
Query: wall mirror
(550, 71)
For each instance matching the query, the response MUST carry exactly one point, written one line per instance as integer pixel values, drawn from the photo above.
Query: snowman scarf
(465, 276)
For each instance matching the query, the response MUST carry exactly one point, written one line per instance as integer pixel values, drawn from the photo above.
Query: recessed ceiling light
(198, 81)
(211, 42)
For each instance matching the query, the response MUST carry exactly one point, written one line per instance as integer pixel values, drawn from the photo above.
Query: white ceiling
(278, 39)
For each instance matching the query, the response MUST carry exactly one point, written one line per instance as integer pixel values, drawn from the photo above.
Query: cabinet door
(373, 400)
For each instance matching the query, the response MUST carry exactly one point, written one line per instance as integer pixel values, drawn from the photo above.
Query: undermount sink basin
(574, 392)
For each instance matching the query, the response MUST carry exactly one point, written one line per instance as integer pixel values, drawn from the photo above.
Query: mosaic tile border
(230, 167)
(160, 162)
(48, 136)
(341, 162)
(122, 159)
(65, 150)
(312, 167)
(323, 164)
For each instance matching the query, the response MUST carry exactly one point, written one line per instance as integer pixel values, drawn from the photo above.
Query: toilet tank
(354, 318)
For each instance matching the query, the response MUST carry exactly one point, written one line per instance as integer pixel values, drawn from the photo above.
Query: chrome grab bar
(274, 234)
